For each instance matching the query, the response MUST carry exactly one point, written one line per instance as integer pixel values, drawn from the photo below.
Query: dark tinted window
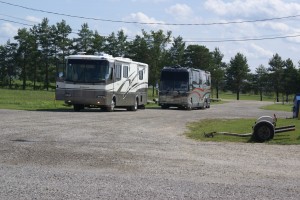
(174, 80)
(87, 71)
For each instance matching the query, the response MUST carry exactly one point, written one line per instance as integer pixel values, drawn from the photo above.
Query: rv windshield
(174, 80)
(87, 71)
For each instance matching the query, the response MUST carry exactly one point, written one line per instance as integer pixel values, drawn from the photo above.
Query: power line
(243, 40)
(16, 18)
(152, 23)
(15, 22)
(200, 41)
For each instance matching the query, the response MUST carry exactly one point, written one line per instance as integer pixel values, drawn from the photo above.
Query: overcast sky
(203, 22)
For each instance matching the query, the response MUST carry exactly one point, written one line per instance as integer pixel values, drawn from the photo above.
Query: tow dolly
(263, 130)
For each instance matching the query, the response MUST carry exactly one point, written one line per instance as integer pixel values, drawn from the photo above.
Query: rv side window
(125, 71)
(208, 80)
(118, 71)
(141, 75)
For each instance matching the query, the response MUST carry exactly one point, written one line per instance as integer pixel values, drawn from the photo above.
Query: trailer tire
(263, 131)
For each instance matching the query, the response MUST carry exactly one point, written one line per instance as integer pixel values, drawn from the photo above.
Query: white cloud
(150, 1)
(277, 26)
(33, 19)
(260, 52)
(8, 30)
(253, 8)
(180, 11)
(143, 18)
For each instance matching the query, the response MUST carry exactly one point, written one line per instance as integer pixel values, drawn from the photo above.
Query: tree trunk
(153, 90)
(260, 93)
(47, 75)
(217, 90)
(34, 76)
(24, 75)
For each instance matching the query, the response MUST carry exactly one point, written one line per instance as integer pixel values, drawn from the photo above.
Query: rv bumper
(171, 101)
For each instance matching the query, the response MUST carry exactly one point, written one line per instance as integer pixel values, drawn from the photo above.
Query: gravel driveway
(139, 155)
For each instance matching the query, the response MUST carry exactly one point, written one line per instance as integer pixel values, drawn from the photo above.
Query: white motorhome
(103, 81)
(184, 88)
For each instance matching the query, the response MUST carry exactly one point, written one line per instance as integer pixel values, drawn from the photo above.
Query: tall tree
(45, 40)
(117, 45)
(8, 65)
(237, 73)
(175, 55)
(290, 76)
(62, 41)
(138, 49)
(198, 56)
(84, 42)
(217, 69)
(156, 42)
(276, 73)
(26, 43)
(98, 43)
(35, 68)
(261, 79)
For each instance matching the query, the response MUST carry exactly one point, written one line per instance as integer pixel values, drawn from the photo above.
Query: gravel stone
(139, 155)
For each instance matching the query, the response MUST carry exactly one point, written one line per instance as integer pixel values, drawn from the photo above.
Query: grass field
(279, 107)
(29, 100)
(197, 129)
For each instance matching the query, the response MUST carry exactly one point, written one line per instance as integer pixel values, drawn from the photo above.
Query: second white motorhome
(103, 81)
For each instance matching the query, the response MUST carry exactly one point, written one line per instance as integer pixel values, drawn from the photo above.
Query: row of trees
(37, 52)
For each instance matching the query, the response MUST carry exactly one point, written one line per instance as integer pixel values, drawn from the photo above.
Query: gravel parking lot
(139, 155)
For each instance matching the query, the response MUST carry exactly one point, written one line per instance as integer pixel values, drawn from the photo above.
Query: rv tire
(204, 105)
(112, 106)
(134, 107)
(78, 107)
(165, 106)
(189, 107)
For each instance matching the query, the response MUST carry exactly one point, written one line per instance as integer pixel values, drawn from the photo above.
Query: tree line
(37, 52)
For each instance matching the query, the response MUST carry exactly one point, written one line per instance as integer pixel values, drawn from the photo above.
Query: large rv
(103, 81)
(185, 88)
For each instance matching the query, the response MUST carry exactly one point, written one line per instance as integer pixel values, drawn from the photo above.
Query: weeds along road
(139, 155)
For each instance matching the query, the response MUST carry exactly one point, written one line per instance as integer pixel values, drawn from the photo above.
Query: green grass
(232, 96)
(196, 130)
(278, 107)
(29, 100)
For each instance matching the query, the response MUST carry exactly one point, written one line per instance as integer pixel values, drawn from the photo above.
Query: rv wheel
(134, 107)
(78, 107)
(165, 106)
(112, 106)
(204, 105)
